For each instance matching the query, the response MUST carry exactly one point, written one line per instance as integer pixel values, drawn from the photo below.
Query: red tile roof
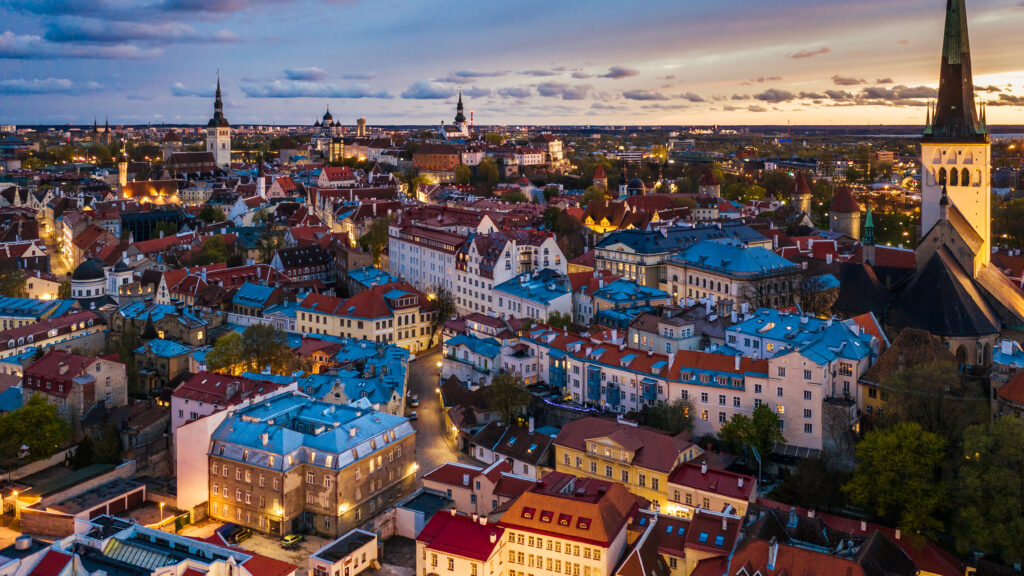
(57, 369)
(652, 449)
(459, 535)
(686, 360)
(211, 387)
(453, 474)
(843, 201)
(717, 481)
(1013, 391)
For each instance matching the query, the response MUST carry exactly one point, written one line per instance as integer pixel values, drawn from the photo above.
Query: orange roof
(652, 449)
(693, 360)
(1013, 391)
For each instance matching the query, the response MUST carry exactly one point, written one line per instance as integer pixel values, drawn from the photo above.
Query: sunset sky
(517, 61)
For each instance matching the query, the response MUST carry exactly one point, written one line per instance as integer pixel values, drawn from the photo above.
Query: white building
(218, 133)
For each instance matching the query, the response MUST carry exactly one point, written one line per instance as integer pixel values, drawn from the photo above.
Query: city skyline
(403, 62)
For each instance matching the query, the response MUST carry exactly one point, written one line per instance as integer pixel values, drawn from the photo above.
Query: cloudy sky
(517, 61)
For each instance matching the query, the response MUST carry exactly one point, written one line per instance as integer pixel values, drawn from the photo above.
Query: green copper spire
(956, 118)
(869, 229)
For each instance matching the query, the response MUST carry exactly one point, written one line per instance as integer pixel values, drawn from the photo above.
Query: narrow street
(433, 445)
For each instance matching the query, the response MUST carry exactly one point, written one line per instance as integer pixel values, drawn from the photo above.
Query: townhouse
(74, 383)
(476, 490)
(471, 359)
(455, 543)
(394, 313)
(536, 295)
(528, 451)
(486, 261)
(620, 451)
(694, 486)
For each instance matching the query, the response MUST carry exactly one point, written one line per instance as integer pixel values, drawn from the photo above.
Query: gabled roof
(460, 535)
(652, 449)
(728, 484)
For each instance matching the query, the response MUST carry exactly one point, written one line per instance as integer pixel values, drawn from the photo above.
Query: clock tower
(218, 133)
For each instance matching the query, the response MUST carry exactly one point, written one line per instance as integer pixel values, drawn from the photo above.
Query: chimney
(863, 526)
(898, 534)
(265, 438)
(453, 511)
(494, 537)
(733, 316)
(773, 553)
(792, 517)
(475, 517)
(531, 424)
(736, 361)
(739, 482)
(63, 368)
(725, 524)
(745, 308)
(483, 520)
(810, 514)
(1006, 347)
(704, 467)
(352, 432)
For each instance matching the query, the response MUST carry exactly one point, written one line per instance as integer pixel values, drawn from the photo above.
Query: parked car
(413, 415)
(233, 533)
(414, 401)
(292, 541)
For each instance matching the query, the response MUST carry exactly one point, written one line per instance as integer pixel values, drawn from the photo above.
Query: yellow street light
(161, 511)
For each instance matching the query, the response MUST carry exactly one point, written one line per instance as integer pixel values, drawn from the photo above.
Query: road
(433, 446)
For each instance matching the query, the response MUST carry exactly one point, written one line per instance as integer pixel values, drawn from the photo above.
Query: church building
(218, 133)
(459, 130)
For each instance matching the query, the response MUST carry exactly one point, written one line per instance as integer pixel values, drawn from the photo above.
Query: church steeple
(218, 109)
(956, 116)
(460, 116)
(869, 229)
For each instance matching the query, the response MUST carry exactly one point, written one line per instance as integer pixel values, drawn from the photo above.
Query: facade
(528, 452)
(730, 270)
(292, 463)
(394, 313)
(694, 486)
(424, 243)
(620, 451)
(485, 261)
(460, 544)
(75, 383)
(536, 295)
(349, 555)
(569, 524)
(476, 490)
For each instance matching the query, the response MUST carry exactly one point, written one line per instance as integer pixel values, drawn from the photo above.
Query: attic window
(546, 515)
(583, 523)
(528, 513)
(703, 538)
(719, 540)
(564, 519)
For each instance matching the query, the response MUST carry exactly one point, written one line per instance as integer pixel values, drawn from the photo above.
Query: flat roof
(428, 503)
(101, 494)
(345, 545)
(67, 480)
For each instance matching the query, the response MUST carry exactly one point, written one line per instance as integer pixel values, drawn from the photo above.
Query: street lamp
(161, 511)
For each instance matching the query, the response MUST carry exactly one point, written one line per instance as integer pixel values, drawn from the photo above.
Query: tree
(227, 352)
(444, 306)
(487, 171)
(990, 517)
(494, 139)
(107, 449)
(514, 197)
(376, 237)
(213, 250)
(35, 425)
(166, 228)
(760, 431)
(672, 417)
(559, 320)
(211, 214)
(508, 395)
(934, 396)
(265, 346)
(592, 194)
(64, 290)
(898, 476)
(814, 295)
(13, 283)
(462, 174)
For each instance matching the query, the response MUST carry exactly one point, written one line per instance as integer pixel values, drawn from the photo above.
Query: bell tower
(956, 151)
(218, 133)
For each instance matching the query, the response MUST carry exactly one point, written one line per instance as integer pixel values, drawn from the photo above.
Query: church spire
(956, 117)
(460, 115)
(869, 229)
(218, 108)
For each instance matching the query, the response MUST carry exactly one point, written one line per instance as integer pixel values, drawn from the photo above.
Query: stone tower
(218, 133)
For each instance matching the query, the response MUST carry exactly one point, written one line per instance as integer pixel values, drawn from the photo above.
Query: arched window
(965, 177)
(954, 177)
(977, 177)
(942, 176)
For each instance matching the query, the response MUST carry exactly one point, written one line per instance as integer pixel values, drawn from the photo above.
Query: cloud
(883, 81)
(564, 91)
(756, 108)
(847, 81)
(477, 92)
(809, 53)
(839, 94)
(45, 86)
(774, 95)
(540, 73)
(619, 72)
(812, 96)
(181, 91)
(614, 107)
(643, 95)
(92, 31)
(424, 90)
(479, 74)
(1007, 100)
(581, 75)
(691, 97)
(311, 74)
(987, 89)
(740, 97)
(360, 76)
(302, 89)
(139, 98)
(29, 47)
(516, 92)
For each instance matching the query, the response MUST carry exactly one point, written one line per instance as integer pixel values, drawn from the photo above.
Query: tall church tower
(218, 133)
(955, 147)
(460, 118)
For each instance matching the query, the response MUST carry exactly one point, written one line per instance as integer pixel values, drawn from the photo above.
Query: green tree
(227, 352)
(165, 228)
(559, 320)
(514, 197)
(898, 476)
(508, 395)
(487, 172)
(592, 194)
(213, 250)
(13, 283)
(990, 514)
(35, 425)
(264, 346)
(107, 448)
(444, 306)
(673, 417)
(211, 214)
(376, 237)
(933, 395)
(760, 430)
(494, 139)
(462, 174)
(64, 290)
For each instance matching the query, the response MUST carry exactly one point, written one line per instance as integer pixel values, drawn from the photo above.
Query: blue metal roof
(10, 399)
(370, 276)
(546, 287)
(488, 348)
(253, 295)
(678, 237)
(732, 257)
(624, 291)
(163, 348)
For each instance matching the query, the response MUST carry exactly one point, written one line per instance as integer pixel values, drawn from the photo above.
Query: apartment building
(693, 486)
(477, 490)
(730, 269)
(424, 242)
(460, 544)
(486, 261)
(620, 451)
(290, 463)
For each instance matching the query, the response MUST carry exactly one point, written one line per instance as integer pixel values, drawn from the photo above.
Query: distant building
(218, 133)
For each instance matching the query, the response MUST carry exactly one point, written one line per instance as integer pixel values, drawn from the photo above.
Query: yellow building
(640, 458)
(395, 313)
(694, 486)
